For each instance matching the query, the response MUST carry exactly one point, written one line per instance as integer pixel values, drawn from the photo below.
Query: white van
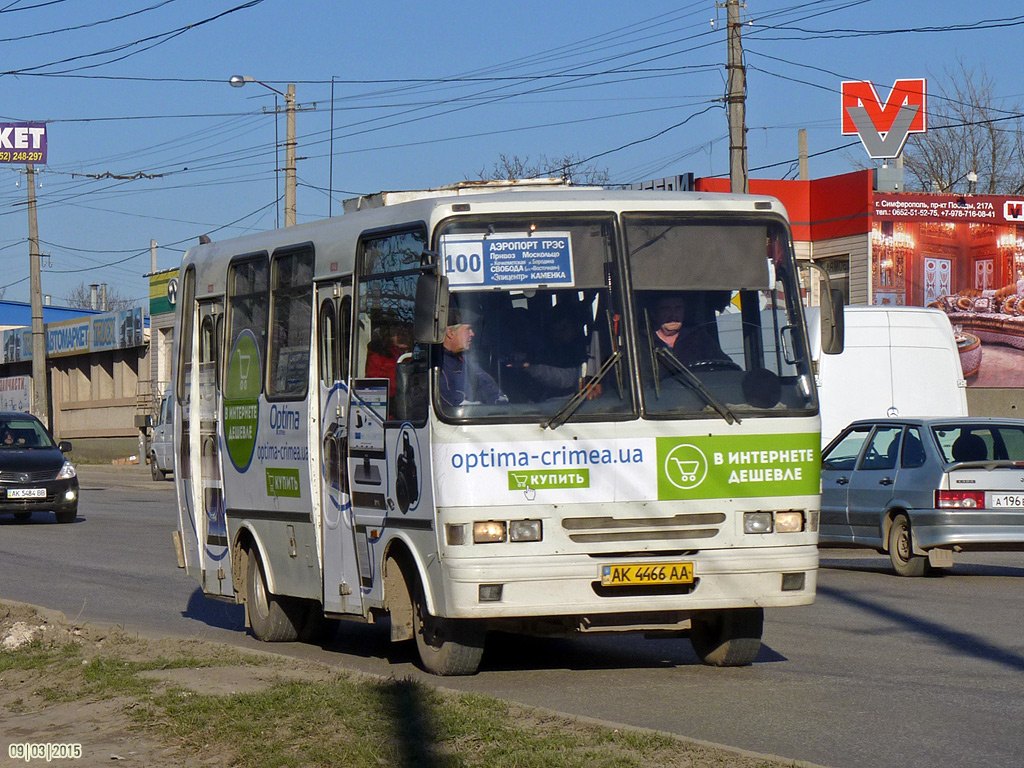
(161, 448)
(897, 362)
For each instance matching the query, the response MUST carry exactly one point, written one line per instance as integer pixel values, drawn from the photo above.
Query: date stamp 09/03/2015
(45, 751)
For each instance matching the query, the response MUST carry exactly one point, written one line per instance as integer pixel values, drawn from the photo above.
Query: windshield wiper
(683, 374)
(569, 408)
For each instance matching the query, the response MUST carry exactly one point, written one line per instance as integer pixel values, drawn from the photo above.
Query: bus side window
(291, 306)
(384, 346)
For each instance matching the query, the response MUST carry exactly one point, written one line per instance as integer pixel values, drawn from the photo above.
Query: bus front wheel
(446, 646)
(272, 618)
(727, 638)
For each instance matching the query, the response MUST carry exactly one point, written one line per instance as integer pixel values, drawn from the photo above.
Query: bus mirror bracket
(431, 315)
(831, 314)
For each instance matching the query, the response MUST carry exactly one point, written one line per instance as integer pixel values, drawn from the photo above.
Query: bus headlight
(757, 522)
(488, 531)
(525, 530)
(789, 522)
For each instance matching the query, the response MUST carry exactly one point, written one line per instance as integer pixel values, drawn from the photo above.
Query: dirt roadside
(98, 696)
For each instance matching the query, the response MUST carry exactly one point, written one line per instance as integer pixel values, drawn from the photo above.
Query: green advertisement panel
(738, 466)
(242, 400)
(283, 482)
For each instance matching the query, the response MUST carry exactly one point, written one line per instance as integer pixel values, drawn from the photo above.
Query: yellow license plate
(632, 574)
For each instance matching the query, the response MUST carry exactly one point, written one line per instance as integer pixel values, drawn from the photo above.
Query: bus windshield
(712, 325)
(546, 325)
(717, 321)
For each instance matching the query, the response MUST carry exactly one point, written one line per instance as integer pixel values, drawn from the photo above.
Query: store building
(961, 253)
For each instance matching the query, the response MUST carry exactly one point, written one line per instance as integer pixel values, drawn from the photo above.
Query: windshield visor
(718, 325)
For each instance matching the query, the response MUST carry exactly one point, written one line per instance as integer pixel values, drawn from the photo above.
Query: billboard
(963, 254)
(883, 128)
(23, 143)
(97, 333)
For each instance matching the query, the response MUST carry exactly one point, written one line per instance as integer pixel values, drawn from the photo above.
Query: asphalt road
(879, 671)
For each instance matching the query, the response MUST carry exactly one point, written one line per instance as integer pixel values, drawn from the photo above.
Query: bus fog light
(490, 593)
(455, 534)
(488, 531)
(525, 530)
(757, 522)
(792, 582)
(789, 522)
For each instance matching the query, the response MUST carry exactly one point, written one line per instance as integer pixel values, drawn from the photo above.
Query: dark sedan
(34, 474)
(923, 489)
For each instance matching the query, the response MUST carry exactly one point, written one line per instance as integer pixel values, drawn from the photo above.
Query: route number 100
(463, 268)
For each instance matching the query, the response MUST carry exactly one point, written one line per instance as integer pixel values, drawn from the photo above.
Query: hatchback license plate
(633, 574)
(26, 493)
(1006, 500)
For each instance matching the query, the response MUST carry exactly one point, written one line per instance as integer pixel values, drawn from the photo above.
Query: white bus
(551, 412)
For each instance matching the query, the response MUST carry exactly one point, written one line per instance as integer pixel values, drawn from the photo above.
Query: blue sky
(425, 94)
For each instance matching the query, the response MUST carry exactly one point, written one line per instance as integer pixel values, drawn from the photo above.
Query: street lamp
(237, 81)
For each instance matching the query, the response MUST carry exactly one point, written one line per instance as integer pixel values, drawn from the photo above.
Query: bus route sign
(23, 143)
(509, 260)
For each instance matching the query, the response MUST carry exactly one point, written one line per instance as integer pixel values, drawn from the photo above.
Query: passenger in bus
(462, 381)
(383, 354)
(678, 326)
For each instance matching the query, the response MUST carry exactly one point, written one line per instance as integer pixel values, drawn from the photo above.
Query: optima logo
(282, 419)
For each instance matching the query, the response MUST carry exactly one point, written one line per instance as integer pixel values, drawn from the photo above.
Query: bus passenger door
(341, 568)
(217, 575)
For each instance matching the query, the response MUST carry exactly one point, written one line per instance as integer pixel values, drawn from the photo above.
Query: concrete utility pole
(289, 157)
(40, 390)
(237, 81)
(736, 100)
(801, 142)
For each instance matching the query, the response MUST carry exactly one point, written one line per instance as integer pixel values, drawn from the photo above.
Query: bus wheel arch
(271, 617)
(400, 579)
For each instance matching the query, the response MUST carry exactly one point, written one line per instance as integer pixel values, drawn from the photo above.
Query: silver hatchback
(923, 489)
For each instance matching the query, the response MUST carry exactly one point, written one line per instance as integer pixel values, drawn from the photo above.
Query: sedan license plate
(26, 493)
(1006, 500)
(634, 574)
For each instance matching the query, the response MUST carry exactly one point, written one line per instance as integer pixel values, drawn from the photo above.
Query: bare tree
(80, 297)
(570, 167)
(970, 131)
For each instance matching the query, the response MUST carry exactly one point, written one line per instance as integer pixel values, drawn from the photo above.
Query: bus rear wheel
(446, 646)
(727, 638)
(272, 618)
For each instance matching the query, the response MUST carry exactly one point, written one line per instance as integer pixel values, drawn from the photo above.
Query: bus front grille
(606, 529)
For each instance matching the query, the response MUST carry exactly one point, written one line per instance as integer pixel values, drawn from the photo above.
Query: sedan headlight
(67, 471)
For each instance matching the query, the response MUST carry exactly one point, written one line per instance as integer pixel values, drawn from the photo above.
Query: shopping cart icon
(243, 372)
(687, 469)
(520, 480)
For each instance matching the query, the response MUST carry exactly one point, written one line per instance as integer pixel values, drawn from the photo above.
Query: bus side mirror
(832, 333)
(431, 315)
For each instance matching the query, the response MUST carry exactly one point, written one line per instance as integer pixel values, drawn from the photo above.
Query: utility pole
(736, 99)
(289, 157)
(40, 390)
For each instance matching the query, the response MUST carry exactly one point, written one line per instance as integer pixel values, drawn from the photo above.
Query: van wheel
(272, 618)
(727, 638)
(154, 469)
(446, 646)
(901, 549)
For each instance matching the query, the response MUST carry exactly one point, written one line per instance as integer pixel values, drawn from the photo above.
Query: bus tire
(446, 647)
(727, 638)
(271, 618)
